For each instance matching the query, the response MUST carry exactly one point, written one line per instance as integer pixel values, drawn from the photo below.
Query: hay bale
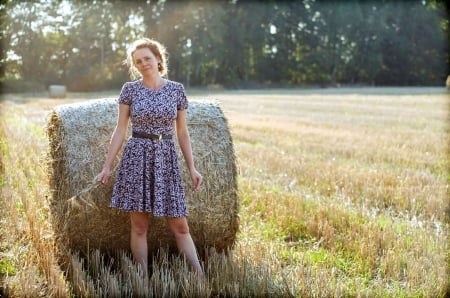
(57, 91)
(79, 136)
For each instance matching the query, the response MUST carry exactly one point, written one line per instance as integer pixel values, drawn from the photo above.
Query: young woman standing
(148, 179)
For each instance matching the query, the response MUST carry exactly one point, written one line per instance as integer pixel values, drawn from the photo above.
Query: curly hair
(157, 49)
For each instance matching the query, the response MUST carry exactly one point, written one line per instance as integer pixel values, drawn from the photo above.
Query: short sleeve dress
(148, 177)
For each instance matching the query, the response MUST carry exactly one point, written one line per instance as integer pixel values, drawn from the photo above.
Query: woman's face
(146, 62)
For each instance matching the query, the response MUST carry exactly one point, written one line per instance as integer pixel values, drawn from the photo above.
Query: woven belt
(150, 136)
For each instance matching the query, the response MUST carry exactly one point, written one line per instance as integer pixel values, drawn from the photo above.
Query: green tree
(23, 29)
(233, 43)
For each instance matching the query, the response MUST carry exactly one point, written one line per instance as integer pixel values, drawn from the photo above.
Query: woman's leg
(139, 228)
(180, 229)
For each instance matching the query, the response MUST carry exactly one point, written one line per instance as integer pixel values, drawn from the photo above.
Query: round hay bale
(57, 91)
(79, 136)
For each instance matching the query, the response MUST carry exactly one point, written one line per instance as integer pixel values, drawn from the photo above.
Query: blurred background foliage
(231, 44)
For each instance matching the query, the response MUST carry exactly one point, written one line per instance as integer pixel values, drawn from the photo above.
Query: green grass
(341, 195)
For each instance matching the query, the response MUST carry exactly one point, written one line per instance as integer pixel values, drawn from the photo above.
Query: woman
(148, 179)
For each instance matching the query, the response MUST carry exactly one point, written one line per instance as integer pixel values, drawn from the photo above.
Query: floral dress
(148, 178)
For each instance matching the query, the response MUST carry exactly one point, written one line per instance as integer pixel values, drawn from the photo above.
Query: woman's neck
(154, 82)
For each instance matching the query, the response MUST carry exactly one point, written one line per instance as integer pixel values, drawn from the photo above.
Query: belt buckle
(160, 137)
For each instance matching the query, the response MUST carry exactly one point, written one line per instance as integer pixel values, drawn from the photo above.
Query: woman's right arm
(117, 139)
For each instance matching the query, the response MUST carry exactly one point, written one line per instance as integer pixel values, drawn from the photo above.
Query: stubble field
(343, 192)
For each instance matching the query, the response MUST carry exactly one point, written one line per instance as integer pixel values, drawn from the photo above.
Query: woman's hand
(196, 179)
(104, 175)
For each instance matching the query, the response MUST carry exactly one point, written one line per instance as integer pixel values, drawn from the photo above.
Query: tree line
(235, 44)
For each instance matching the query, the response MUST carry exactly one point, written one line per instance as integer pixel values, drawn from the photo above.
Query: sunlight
(272, 29)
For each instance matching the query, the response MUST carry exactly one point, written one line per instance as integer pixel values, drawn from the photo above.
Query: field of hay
(343, 192)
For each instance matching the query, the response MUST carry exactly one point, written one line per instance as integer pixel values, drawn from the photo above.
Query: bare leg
(180, 229)
(139, 228)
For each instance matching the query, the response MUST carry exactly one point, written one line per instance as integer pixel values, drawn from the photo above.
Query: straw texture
(79, 136)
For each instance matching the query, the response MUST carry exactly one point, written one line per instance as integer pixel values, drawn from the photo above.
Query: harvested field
(343, 192)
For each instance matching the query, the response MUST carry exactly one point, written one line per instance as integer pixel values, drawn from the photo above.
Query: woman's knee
(179, 226)
(139, 223)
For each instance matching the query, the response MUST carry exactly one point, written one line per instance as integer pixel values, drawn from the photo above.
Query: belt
(150, 136)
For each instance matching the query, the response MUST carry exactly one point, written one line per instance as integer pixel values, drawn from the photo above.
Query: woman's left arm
(185, 145)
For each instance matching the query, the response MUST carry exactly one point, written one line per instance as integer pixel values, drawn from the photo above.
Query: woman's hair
(157, 49)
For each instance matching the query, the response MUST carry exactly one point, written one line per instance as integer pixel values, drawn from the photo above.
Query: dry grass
(29, 259)
(341, 195)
